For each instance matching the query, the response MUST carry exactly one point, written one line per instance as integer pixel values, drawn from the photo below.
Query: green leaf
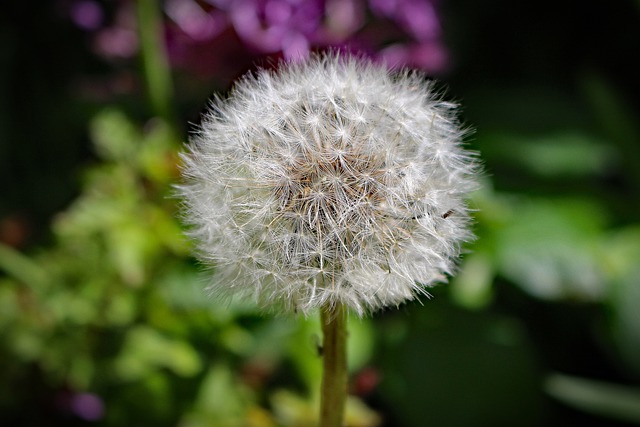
(472, 286)
(220, 395)
(114, 136)
(360, 342)
(596, 397)
(622, 254)
(552, 155)
(303, 351)
(551, 248)
(145, 350)
(157, 156)
(22, 268)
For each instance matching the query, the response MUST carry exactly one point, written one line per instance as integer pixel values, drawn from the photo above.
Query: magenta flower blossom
(87, 406)
(212, 36)
(84, 405)
(272, 25)
(293, 27)
(418, 18)
(196, 22)
(87, 14)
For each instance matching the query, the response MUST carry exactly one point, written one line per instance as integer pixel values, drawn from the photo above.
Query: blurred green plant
(117, 307)
(612, 401)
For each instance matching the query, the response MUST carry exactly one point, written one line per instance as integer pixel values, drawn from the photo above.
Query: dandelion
(329, 181)
(329, 184)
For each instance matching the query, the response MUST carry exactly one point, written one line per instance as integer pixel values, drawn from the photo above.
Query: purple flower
(221, 36)
(420, 21)
(418, 18)
(193, 20)
(116, 42)
(87, 14)
(87, 406)
(294, 26)
(428, 56)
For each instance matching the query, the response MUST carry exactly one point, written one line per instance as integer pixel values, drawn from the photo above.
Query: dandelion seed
(330, 181)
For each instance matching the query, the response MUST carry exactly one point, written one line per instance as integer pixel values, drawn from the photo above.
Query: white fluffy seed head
(328, 181)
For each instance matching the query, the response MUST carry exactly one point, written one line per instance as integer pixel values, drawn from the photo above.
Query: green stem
(333, 392)
(154, 59)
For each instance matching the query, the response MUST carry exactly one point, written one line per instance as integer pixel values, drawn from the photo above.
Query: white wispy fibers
(328, 181)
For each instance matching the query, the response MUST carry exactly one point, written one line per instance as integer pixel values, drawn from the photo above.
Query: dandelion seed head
(329, 181)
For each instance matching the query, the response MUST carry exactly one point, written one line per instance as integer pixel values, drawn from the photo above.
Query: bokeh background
(103, 317)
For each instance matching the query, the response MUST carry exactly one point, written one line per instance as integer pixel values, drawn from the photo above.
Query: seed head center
(332, 196)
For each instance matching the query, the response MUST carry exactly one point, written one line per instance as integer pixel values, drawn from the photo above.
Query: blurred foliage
(116, 306)
(103, 316)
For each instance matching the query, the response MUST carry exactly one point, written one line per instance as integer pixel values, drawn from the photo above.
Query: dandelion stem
(333, 393)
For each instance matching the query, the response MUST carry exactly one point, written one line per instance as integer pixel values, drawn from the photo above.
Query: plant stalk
(333, 391)
(155, 64)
